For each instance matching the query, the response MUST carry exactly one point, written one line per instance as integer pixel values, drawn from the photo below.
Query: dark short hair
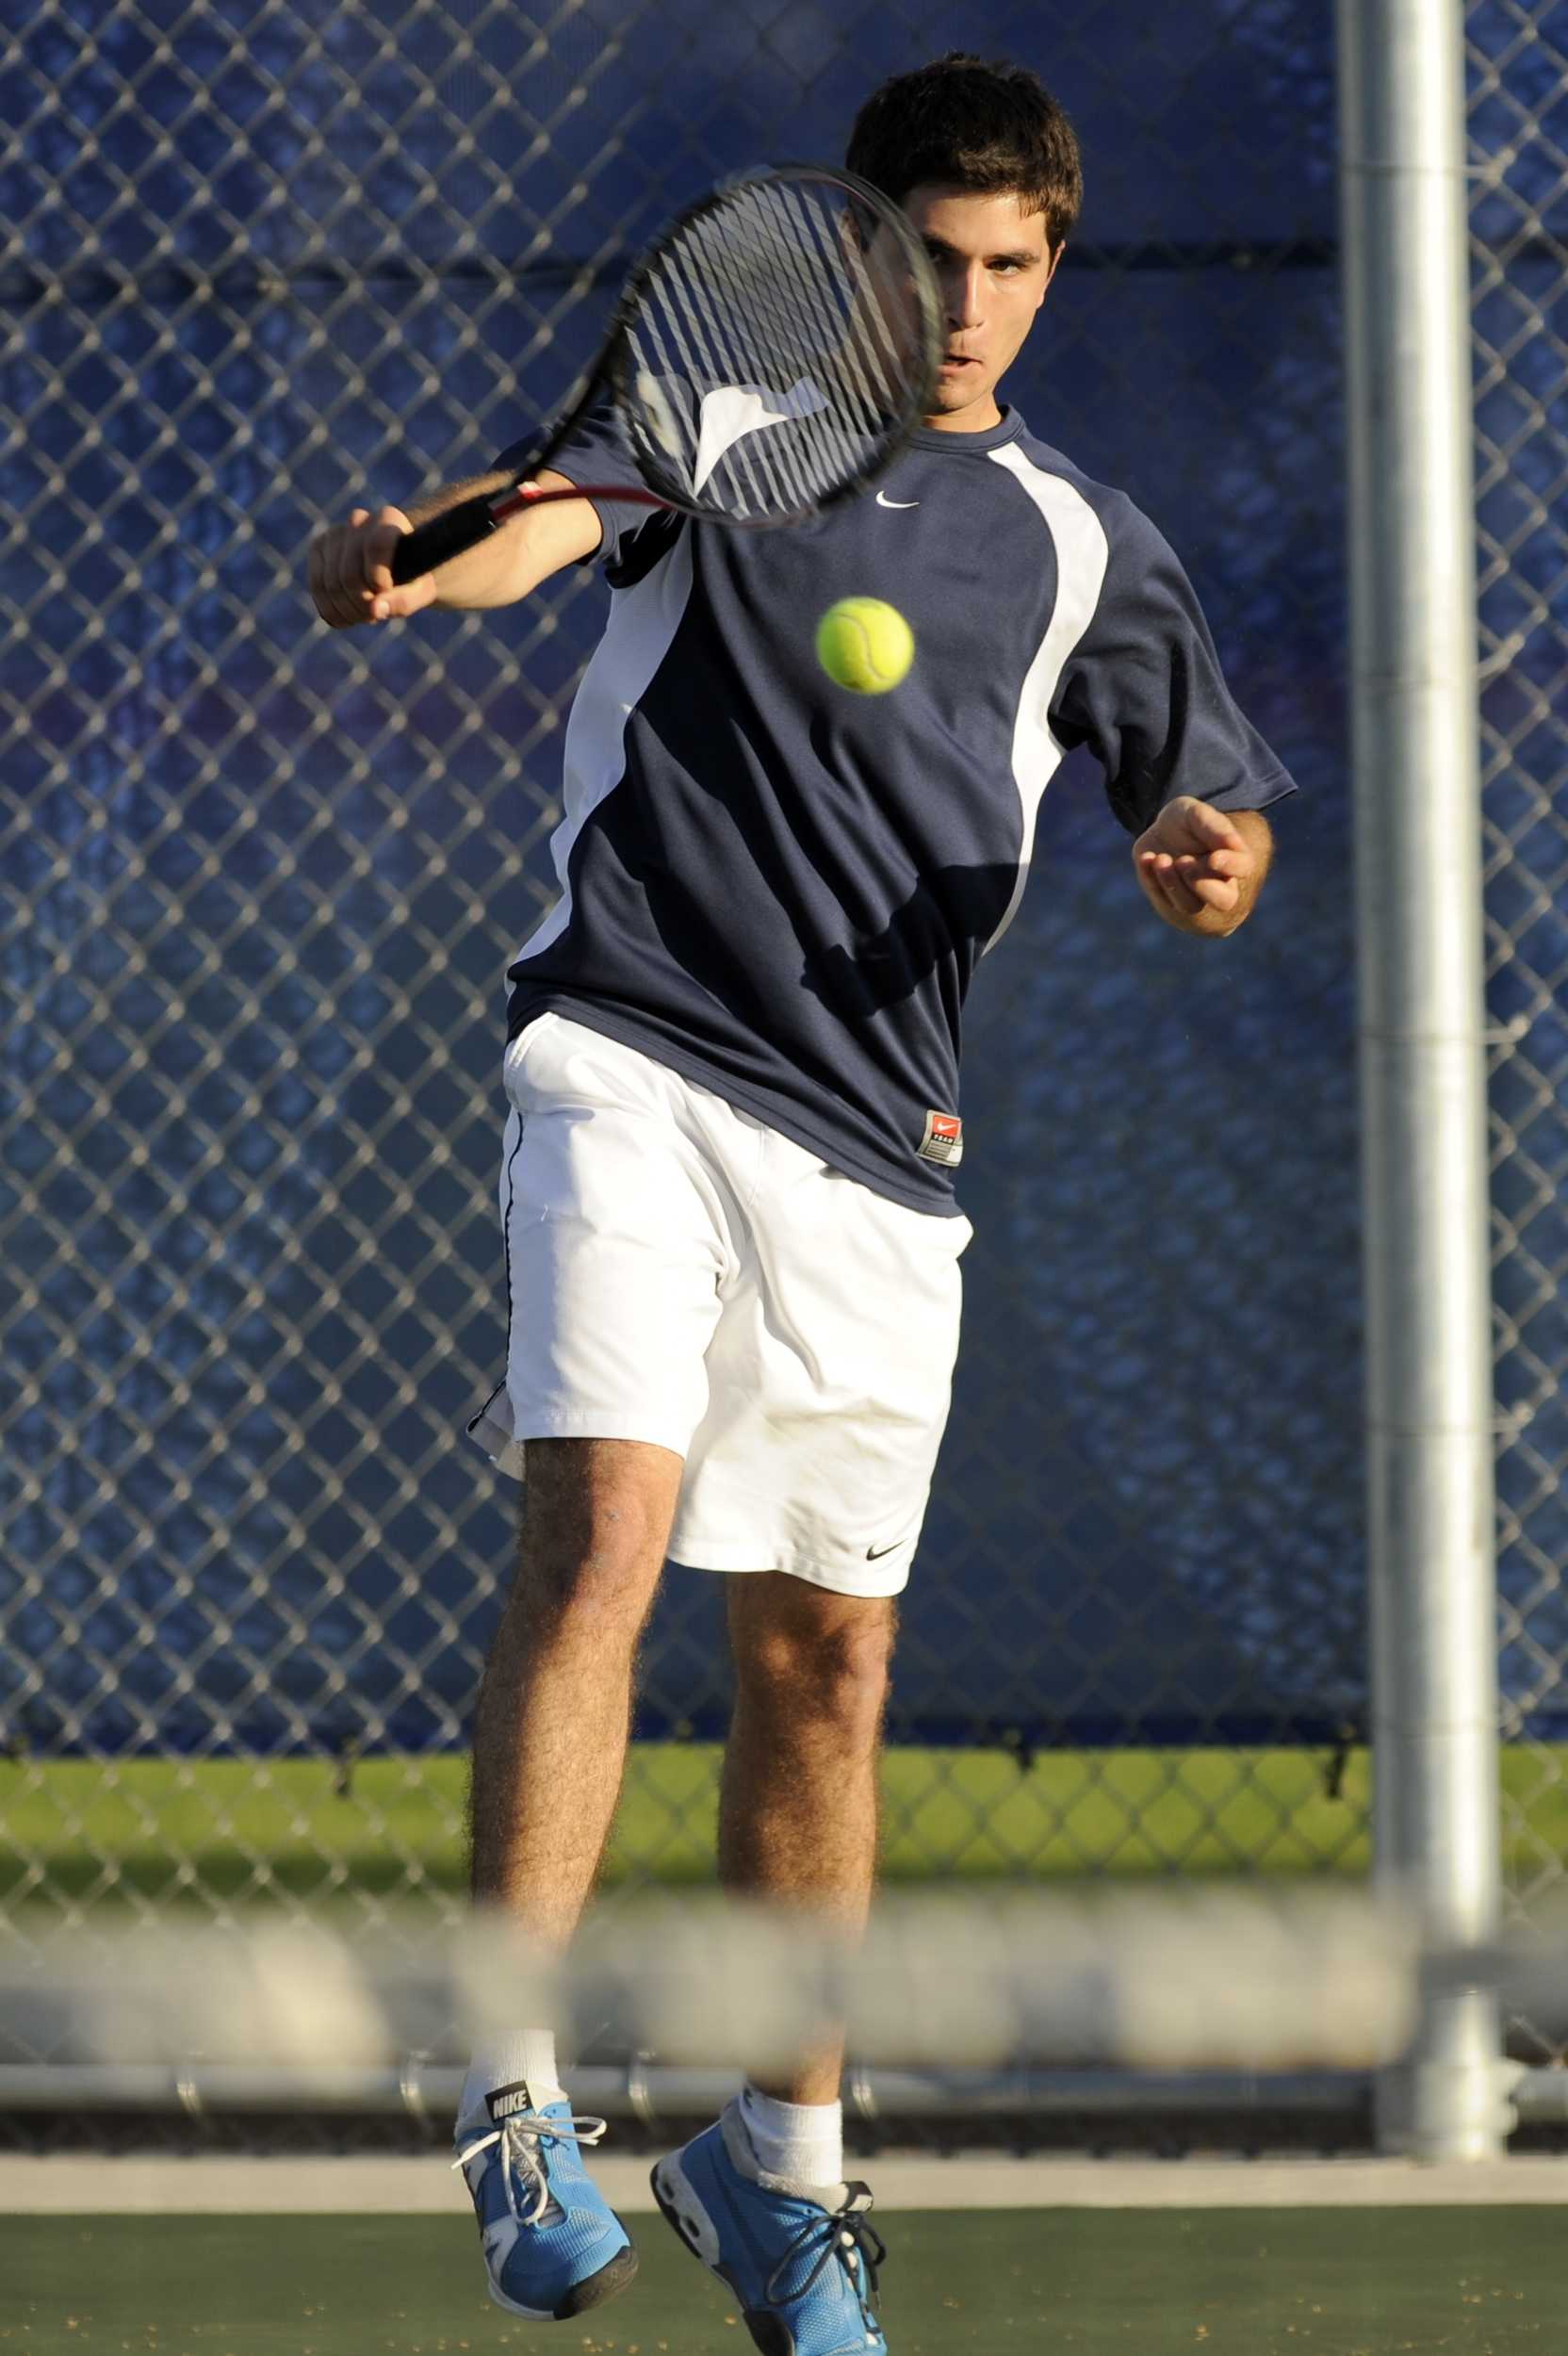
(976, 124)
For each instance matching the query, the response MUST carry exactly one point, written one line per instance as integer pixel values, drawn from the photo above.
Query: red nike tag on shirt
(943, 1140)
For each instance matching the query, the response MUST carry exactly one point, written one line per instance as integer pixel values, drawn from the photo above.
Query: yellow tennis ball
(864, 644)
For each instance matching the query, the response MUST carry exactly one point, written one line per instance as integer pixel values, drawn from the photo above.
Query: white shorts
(678, 1272)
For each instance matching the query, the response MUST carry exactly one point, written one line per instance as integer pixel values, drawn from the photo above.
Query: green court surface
(1482, 2282)
(185, 1829)
(195, 1829)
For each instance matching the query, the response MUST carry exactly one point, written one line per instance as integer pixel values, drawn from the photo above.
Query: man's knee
(595, 1530)
(811, 1653)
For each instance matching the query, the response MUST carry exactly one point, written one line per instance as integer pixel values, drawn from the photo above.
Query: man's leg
(761, 2197)
(798, 1807)
(549, 1751)
(555, 1702)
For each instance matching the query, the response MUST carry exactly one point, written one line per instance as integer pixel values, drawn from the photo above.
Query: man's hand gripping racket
(770, 356)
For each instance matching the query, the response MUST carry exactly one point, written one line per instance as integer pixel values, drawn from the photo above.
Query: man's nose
(965, 307)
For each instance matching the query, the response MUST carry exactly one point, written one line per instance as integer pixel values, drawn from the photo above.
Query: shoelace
(519, 2138)
(847, 2233)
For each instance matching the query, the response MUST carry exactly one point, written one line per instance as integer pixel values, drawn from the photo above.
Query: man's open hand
(1200, 868)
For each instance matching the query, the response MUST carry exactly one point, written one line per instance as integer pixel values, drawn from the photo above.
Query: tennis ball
(864, 644)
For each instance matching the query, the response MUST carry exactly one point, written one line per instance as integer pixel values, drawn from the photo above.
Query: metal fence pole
(1412, 610)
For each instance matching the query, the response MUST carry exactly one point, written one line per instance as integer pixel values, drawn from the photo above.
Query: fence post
(1418, 902)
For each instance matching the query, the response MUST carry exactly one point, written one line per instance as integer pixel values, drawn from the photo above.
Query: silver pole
(1418, 912)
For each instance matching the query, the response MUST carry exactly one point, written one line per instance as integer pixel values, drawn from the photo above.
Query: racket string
(734, 361)
(725, 363)
(775, 293)
(817, 259)
(844, 351)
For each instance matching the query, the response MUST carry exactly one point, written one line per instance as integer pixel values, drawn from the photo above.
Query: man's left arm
(1200, 868)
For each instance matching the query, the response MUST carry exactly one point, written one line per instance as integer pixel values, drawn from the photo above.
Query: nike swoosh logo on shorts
(883, 500)
(874, 1554)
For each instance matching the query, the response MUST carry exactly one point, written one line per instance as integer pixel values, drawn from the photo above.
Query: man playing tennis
(726, 1188)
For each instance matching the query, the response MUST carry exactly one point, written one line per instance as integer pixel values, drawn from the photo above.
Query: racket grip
(445, 536)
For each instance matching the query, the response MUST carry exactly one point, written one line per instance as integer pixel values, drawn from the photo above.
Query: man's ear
(1051, 273)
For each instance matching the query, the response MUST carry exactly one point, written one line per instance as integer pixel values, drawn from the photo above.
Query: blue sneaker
(552, 2244)
(803, 2267)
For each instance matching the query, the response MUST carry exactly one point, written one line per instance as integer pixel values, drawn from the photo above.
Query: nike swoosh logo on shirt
(883, 500)
(874, 1554)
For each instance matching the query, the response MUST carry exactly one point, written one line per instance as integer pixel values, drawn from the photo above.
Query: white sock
(802, 2141)
(528, 2058)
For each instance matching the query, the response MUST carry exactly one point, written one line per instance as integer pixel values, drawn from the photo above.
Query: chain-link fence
(1519, 125)
(261, 882)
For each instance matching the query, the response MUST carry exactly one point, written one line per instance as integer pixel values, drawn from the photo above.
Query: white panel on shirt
(734, 410)
(640, 629)
(1082, 553)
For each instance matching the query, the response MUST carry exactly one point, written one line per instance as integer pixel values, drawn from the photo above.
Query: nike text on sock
(528, 2058)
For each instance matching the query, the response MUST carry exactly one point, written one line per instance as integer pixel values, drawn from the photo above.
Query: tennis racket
(770, 356)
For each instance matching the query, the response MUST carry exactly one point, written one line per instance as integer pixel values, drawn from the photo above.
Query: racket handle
(445, 536)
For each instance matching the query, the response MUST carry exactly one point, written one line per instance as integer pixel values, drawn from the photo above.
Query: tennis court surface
(1266, 2282)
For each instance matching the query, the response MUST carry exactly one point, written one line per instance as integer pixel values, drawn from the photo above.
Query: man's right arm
(350, 564)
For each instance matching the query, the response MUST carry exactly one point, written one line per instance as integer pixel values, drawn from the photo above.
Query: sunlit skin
(993, 262)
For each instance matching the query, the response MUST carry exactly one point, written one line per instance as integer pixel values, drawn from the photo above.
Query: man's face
(993, 266)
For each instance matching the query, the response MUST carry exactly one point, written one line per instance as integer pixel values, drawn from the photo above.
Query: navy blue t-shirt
(782, 889)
